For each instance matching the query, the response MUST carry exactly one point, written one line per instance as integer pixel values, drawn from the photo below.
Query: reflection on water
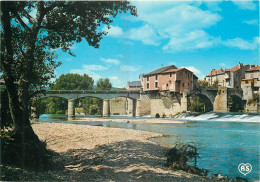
(222, 145)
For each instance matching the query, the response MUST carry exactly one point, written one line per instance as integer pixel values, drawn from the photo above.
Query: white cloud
(197, 39)
(94, 67)
(180, 23)
(113, 61)
(146, 34)
(196, 72)
(113, 78)
(129, 68)
(83, 71)
(242, 44)
(251, 22)
(113, 31)
(245, 4)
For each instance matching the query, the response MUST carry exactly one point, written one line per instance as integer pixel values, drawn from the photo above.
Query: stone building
(169, 78)
(134, 85)
(251, 83)
(230, 78)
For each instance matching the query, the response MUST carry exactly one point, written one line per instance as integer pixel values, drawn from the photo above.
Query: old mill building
(169, 78)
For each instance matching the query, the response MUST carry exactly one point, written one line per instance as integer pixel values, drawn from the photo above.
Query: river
(223, 140)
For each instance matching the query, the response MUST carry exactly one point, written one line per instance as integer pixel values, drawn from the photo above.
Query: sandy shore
(64, 137)
(95, 153)
(130, 120)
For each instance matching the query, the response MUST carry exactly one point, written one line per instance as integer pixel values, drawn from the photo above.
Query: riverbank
(131, 120)
(94, 153)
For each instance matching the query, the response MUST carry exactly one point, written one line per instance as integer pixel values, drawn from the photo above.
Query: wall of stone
(164, 107)
(118, 106)
(145, 105)
(252, 108)
(247, 91)
(220, 103)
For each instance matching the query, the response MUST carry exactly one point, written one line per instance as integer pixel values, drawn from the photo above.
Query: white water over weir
(243, 117)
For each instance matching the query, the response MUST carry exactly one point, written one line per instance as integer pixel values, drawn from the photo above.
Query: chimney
(240, 65)
(252, 66)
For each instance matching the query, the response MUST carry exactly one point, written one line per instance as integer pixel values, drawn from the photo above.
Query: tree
(203, 83)
(104, 84)
(68, 81)
(196, 105)
(28, 44)
(72, 81)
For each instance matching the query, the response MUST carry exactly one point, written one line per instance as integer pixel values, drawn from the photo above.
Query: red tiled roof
(235, 68)
(179, 69)
(257, 68)
(214, 72)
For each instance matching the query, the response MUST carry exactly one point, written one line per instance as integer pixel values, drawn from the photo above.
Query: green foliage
(123, 88)
(28, 43)
(235, 104)
(215, 84)
(94, 110)
(72, 81)
(56, 105)
(104, 84)
(202, 83)
(254, 100)
(60, 112)
(67, 82)
(196, 105)
(87, 103)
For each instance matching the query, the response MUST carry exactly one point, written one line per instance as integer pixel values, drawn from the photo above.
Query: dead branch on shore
(178, 157)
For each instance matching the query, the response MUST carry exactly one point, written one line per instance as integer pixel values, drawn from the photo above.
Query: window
(188, 84)
(147, 78)
(167, 85)
(156, 77)
(182, 84)
(188, 76)
(147, 85)
(170, 74)
(156, 84)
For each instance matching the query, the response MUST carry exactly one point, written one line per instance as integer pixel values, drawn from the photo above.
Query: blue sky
(199, 35)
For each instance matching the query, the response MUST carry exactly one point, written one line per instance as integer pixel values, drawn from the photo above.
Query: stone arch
(235, 103)
(206, 100)
(88, 105)
(38, 107)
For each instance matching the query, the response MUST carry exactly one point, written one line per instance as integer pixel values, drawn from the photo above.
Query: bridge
(105, 95)
(215, 99)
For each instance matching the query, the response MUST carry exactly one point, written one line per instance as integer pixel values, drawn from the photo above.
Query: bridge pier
(221, 100)
(184, 102)
(106, 107)
(71, 108)
(138, 108)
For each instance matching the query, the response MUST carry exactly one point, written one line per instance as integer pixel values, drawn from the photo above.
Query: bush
(94, 110)
(60, 112)
(197, 105)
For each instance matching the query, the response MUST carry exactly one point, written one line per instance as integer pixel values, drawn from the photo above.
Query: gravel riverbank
(95, 153)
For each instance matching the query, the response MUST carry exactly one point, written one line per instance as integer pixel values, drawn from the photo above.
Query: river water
(223, 140)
